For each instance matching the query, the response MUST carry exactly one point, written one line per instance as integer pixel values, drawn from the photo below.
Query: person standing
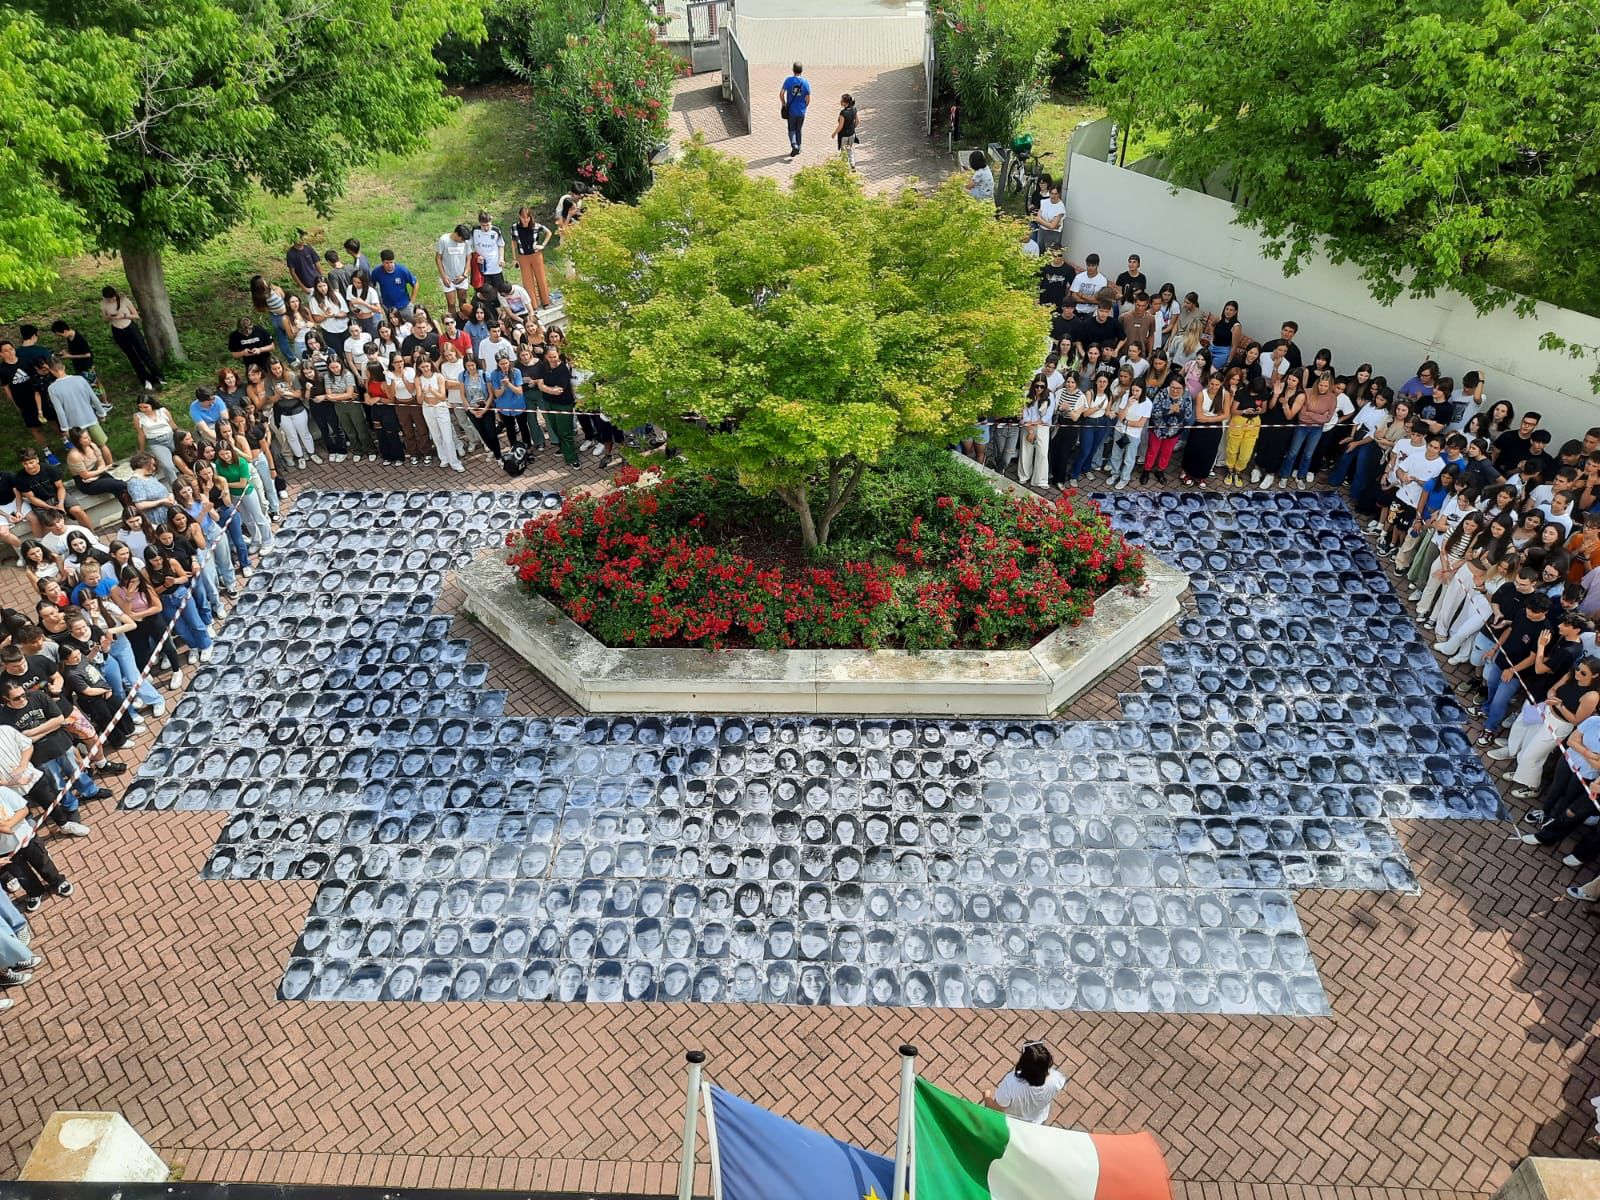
(397, 286)
(796, 95)
(455, 274)
(270, 299)
(529, 238)
(489, 244)
(302, 262)
(1030, 1088)
(122, 315)
(434, 395)
(75, 401)
(557, 398)
(844, 130)
(1038, 414)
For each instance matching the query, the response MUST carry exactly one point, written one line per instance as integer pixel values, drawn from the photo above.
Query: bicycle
(952, 128)
(1025, 171)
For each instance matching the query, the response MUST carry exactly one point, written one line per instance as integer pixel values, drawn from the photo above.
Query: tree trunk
(148, 281)
(840, 493)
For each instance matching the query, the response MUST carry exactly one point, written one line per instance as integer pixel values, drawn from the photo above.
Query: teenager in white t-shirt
(1028, 1091)
(1132, 417)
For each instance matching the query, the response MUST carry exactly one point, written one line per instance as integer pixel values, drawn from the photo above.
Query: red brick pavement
(1461, 1038)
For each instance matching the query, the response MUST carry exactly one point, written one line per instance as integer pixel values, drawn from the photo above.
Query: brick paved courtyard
(1460, 1038)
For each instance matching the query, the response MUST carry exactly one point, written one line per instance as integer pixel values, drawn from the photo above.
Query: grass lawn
(484, 157)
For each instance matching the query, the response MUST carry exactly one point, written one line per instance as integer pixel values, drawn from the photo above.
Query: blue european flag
(761, 1156)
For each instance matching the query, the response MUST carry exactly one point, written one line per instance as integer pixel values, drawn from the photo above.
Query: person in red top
(456, 336)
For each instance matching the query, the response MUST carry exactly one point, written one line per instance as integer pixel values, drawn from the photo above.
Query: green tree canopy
(790, 338)
(194, 103)
(997, 56)
(1419, 140)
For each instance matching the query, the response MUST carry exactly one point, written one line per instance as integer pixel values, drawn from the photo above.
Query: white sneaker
(148, 386)
(317, 458)
(74, 829)
(458, 468)
(1255, 474)
(205, 655)
(336, 457)
(372, 458)
(138, 721)
(599, 450)
(177, 680)
(1572, 860)
(1267, 481)
(1530, 839)
(158, 709)
(300, 464)
(1502, 754)
(584, 445)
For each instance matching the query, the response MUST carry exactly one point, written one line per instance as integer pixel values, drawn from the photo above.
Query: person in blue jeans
(1553, 654)
(1515, 653)
(795, 95)
(17, 962)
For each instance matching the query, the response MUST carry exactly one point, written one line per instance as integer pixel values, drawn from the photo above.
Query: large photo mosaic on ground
(1140, 865)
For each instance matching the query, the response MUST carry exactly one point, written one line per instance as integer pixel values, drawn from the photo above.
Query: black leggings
(488, 429)
(142, 639)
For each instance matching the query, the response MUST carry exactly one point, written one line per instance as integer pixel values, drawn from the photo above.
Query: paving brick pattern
(1461, 1037)
(895, 150)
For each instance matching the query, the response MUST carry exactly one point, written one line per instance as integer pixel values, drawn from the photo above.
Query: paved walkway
(1462, 1035)
(894, 151)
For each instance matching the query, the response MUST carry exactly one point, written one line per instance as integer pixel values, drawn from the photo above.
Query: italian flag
(964, 1151)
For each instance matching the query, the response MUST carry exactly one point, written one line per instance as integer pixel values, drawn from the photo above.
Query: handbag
(783, 111)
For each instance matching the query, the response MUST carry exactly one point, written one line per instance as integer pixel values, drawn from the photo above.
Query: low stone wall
(1021, 683)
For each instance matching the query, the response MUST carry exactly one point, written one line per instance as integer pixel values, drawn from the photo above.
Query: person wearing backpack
(796, 95)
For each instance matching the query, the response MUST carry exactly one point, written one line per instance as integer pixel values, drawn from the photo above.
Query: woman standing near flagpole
(1028, 1091)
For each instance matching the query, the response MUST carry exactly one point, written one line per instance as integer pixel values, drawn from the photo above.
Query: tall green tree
(197, 102)
(1420, 140)
(790, 338)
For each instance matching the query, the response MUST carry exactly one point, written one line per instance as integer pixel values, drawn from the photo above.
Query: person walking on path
(796, 95)
(844, 130)
(1028, 1091)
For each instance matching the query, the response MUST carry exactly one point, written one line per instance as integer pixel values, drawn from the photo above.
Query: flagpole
(691, 1113)
(902, 1131)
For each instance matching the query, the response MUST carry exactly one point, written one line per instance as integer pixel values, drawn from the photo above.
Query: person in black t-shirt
(1515, 662)
(251, 345)
(19, 382)
(553, 379)
(844, 130)
(45, 493)
(1132, 280)
(1512, 446)
(1055, 276)
(1290, 350)
(423, 337)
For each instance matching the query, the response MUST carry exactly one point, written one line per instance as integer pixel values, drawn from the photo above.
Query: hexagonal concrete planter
(1022, 683)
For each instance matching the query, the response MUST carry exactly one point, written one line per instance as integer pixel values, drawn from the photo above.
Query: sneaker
(158, 709)
(33, 964)
(1534, 816)
(372, 458)
(65, 888)
(138, 721)
(148, 386)
(29, 904)
(412, 460)
(1571, 860)
(1527, 793)
(427, 460)
(1577, 893)
(599, 449)
(113, 767)
(1459, 660)
(1255, 475)
(300, 464)
(317, 458)
(584, 445)
(458, 468)
(1373, 526)
(25, 935)
(1485, 739)
(1501, 754)
(176, 681)
(14, 978)
(1267, 481)
(74, 829)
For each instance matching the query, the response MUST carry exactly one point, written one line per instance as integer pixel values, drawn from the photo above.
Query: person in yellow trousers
(1244, 427)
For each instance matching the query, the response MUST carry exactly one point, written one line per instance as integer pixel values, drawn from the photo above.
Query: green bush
(996, 56)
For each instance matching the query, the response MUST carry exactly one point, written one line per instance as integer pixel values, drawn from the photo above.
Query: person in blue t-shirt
(506, 386)
(207, 411)
(795, 94)
(397, 286)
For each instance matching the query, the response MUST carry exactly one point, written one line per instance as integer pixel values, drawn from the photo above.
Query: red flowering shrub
(654, 565)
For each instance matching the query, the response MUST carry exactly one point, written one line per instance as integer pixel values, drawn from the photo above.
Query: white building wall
(1189, 239)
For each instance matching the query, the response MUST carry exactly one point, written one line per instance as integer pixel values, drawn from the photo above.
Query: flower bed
(928, 557)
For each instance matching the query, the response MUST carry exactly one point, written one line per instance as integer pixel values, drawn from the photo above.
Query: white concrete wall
(892, 40)
(1189, 239)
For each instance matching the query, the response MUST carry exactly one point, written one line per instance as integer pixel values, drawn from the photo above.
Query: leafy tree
(997, 56)
(1417, 140)
(196, 102)
(602, 86)
(792, 338)
(39, 123)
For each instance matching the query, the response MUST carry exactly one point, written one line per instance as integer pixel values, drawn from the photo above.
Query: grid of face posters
(1144, 865)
